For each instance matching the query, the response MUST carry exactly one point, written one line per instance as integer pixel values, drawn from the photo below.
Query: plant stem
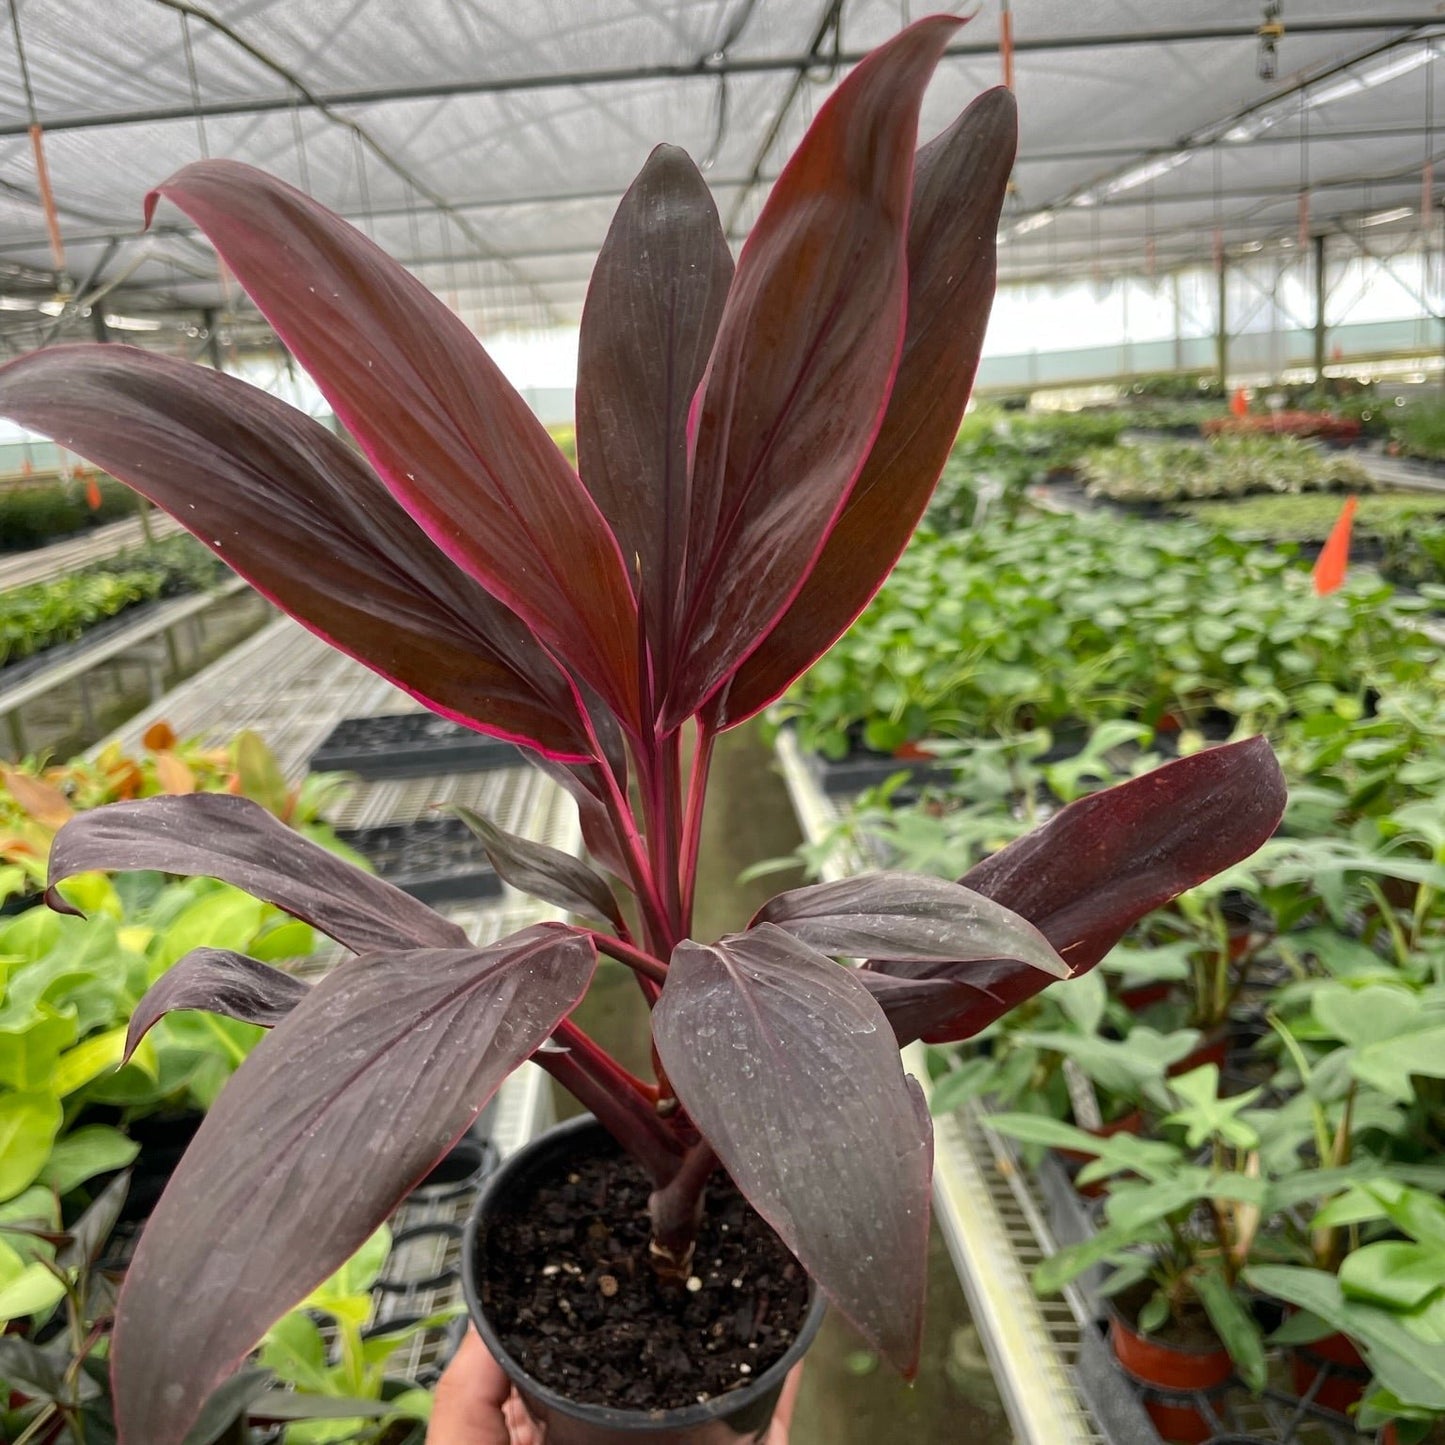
(640, 962)
(692, 820)
(621, 1109)
(676, 1211)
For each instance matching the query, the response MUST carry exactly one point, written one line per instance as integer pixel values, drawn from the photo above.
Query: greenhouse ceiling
(486, 144)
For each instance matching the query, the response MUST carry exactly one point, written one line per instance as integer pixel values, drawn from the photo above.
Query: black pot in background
(741, 1417)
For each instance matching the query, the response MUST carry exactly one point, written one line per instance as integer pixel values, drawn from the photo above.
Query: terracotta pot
(1145, 995)
(1175, 1376)
(1346, 1375)
(1213, 1049)
(741, 1417)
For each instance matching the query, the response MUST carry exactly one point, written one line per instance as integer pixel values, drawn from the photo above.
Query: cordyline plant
(756, 444)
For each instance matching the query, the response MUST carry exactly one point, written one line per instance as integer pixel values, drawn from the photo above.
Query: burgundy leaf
(653, 305)
(959, 185)
(239, 842)
(546, 873)
(909, 917)
(343, 1108)
(1100, 864)
(451, 438)
(804, 361)
(220, 982)
(584, 784)
(336, 551)
(788, 1067)
(913, 1006)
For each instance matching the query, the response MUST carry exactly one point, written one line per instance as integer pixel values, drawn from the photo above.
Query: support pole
(211, 317)
(1321, 294)
(1221, 335)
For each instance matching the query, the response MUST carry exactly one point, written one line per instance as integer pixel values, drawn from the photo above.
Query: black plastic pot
(438, 860)
(409, 745)
(741, 1417)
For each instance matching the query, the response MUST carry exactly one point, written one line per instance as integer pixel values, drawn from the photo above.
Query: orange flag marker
(1335, 554)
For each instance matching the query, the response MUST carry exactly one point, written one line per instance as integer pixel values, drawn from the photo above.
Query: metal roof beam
(706, 68)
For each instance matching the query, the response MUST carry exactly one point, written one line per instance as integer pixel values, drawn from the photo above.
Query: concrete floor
(848, 1396)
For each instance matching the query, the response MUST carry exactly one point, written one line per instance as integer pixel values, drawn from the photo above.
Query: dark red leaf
(959, 186)
(220, 982)
(451, 438)
(239, 842)
(910, 917)
(653, 305)
(804, 361)
(788, 1067)
(544, 872)
(913, 1006)
(336, 551)
(1099, 865)
(343, 1108)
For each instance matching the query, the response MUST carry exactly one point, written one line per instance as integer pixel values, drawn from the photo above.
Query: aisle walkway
(44, 563)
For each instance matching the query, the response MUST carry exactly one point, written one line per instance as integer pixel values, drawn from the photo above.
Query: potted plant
(757, 446)
(1387, 1299)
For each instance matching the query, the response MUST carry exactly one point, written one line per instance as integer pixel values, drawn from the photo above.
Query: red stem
(595, 1081)
(692, 823)
(644, 883)
(642, 963)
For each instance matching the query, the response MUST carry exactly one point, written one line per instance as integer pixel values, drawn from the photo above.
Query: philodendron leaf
(220, 982)
(349, 1101)
(908, 917)
(1234, 1325)
(239, 842)
(546, 873)
(1409, 1367)
(786, 1064)
(1100, 864)
(804, 363)
(337, 552)
(959, 185)
(653, 305)
(448, 434)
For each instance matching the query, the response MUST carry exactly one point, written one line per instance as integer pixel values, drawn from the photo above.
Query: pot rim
(641, 1422)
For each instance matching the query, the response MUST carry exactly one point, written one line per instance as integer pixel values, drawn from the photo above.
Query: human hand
(476, 1405)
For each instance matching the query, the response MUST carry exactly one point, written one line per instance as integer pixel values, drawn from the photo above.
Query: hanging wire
(363, 187)
(1304, 174)
(732, 33)
(37, 148)
(382, 153)
(195, 84)
(303, 169)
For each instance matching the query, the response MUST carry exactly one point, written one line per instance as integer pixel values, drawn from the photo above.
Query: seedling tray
(438, 860)
(409, 745)
(860, 771)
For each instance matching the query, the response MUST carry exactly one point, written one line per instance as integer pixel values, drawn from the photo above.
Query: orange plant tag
(1334, 557)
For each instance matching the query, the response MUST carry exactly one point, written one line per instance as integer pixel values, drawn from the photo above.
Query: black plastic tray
(409, 745)
(438, 860)
(860, 771)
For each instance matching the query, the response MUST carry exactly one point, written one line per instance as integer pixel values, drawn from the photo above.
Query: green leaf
(295, 1350)
(1234, 1326)
(88, 1060)
(1418, 1214)
(1393, 1273)
(28, 1126)
(970, 1079)
(1407, 1366)
(1390, 1064)
(36, 1289)
(95, 1149)
(30, 1045)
